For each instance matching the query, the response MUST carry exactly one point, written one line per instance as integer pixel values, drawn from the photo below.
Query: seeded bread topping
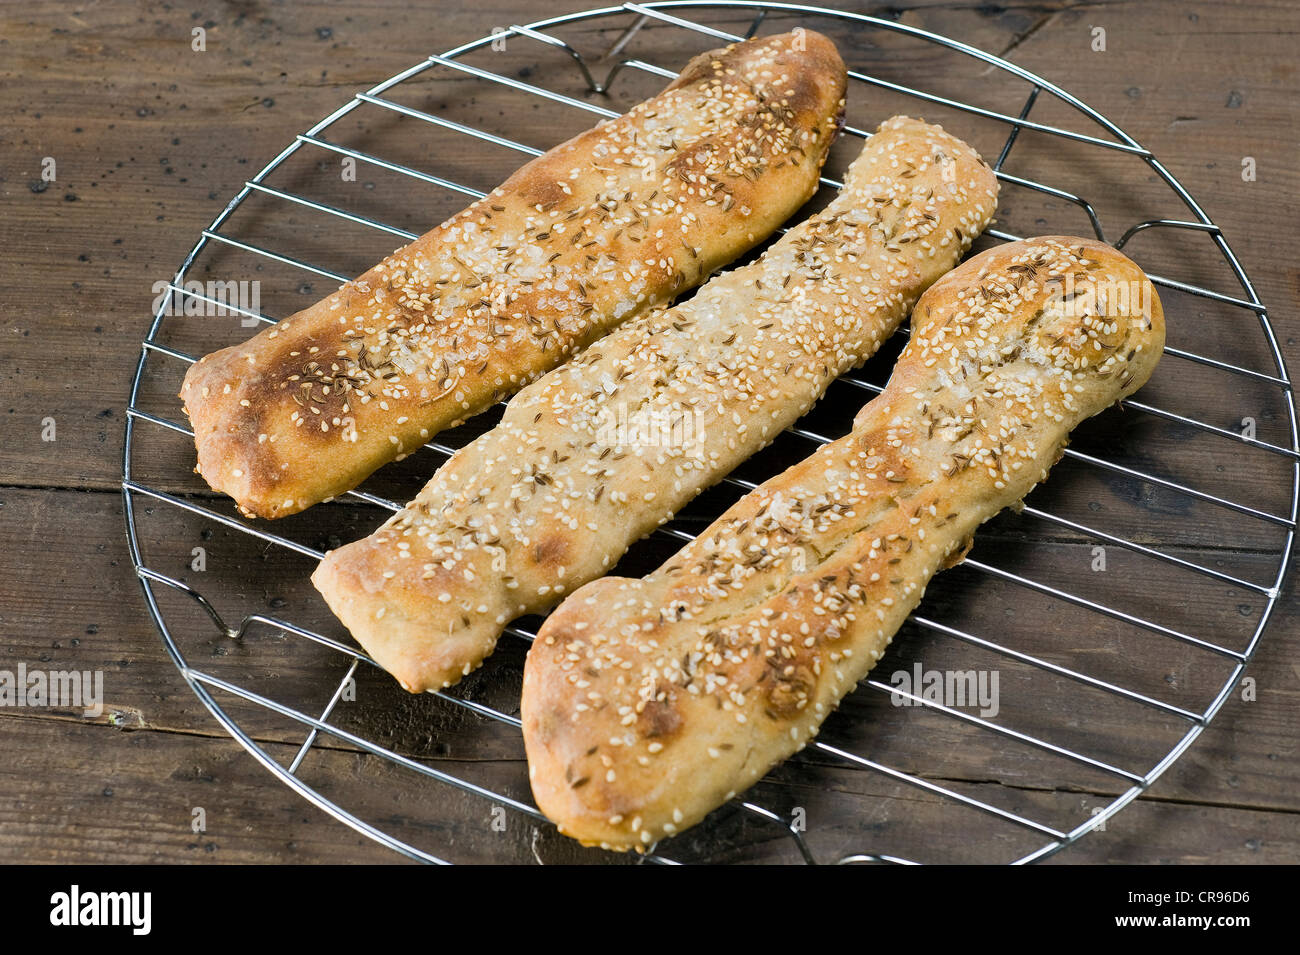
(648, 703)
(599, 230)
(602, 450)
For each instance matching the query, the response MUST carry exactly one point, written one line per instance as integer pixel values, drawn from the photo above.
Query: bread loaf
(593, 233)
(648, 703)
(601, 451)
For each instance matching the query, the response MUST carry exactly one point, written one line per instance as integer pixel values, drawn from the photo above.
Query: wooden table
(150, 138)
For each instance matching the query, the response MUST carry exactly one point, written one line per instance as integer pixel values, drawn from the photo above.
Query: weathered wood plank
(92, 794)
(114, 284)
(106, 628)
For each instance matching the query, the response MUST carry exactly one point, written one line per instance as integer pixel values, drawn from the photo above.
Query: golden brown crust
(647, 703)
(601, 451)
(594, 232)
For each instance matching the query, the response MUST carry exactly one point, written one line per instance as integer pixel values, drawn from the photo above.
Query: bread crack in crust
(604, 449)
(670, 694)
(597, 231)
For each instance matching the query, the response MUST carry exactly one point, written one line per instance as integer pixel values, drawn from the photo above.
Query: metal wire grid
(676, 14)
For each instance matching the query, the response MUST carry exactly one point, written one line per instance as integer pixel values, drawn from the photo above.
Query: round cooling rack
(1042, 685)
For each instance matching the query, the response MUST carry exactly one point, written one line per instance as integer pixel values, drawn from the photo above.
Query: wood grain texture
(151, 139)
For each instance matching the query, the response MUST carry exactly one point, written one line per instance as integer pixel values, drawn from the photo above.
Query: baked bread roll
(648, 703)
(588, 235)
(601, 451)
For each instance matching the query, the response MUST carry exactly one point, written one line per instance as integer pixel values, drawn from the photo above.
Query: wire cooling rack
(1119, 607)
